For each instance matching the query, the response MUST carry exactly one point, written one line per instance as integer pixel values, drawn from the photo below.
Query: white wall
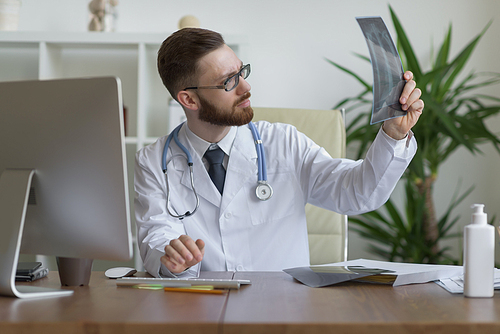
(287, 43)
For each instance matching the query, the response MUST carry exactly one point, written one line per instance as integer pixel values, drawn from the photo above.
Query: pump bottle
(479, 255)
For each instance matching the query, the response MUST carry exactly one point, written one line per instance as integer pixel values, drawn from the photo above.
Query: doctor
(232, 229)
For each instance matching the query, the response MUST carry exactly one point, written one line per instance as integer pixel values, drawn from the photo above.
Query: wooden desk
(102, 307)
(274, 303)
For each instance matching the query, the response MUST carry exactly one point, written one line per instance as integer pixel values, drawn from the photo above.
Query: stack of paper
(456, 284)
(395, 273)
(408, 273)
(318, 276)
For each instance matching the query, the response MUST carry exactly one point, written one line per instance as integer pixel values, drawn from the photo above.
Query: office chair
(327, 230)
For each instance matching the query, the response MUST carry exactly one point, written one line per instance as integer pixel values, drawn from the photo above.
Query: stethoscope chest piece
(264, 191)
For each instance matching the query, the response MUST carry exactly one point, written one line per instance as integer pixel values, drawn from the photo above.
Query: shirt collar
(200, 145)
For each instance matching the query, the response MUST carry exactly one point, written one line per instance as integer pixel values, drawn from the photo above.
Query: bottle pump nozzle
(478, 216)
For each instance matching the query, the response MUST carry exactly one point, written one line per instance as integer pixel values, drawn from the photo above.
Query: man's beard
(217, 116)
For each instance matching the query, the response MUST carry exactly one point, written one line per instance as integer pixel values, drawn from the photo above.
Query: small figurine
(189, 21)
(102, 15)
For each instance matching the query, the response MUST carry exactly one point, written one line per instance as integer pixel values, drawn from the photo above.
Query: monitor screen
(70, 132)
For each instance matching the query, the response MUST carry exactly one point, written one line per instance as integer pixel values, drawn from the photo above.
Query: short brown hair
(179, 54)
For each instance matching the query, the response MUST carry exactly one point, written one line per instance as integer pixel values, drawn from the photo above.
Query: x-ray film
(388, 72)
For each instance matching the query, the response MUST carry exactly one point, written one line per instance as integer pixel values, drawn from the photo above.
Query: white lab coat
(240, 231)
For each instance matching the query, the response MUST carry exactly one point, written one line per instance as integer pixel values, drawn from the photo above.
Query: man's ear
(188, 99)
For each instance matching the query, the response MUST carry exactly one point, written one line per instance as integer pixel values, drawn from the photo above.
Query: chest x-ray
(388, 72)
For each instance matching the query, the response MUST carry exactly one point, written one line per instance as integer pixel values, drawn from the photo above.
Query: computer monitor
(63, 176)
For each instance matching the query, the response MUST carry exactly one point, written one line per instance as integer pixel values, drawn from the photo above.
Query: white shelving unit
(129, 56)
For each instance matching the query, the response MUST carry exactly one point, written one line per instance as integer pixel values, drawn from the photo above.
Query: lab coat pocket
(284, 202)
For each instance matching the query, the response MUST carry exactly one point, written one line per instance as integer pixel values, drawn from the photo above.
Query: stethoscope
(264, 191)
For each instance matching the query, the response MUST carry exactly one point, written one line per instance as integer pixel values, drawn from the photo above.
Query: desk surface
(274, 303)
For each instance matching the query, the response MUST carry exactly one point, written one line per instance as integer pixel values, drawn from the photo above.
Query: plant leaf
(413, 63)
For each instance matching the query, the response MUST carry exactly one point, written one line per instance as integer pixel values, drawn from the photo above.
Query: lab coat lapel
(202, 182)
(242, 165)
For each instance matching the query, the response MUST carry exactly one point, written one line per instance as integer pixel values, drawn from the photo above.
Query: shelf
(107, 38)
(131, 140)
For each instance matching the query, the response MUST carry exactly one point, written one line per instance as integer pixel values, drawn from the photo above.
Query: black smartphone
(27, 268)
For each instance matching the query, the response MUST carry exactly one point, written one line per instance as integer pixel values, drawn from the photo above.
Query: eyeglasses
(231, 82)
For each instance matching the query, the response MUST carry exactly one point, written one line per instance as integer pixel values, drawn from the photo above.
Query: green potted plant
(454, 116)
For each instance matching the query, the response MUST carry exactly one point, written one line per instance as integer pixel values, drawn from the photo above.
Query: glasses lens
(245, 71)
(233, 81)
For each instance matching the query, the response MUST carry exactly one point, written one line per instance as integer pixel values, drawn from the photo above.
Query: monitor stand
(14, 191)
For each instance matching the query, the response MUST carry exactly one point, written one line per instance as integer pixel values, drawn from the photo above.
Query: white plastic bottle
(479, 255)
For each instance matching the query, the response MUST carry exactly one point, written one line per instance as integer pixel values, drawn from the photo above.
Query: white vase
(9, 14)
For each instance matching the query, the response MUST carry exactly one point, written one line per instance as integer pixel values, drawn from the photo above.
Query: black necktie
(216, 170)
